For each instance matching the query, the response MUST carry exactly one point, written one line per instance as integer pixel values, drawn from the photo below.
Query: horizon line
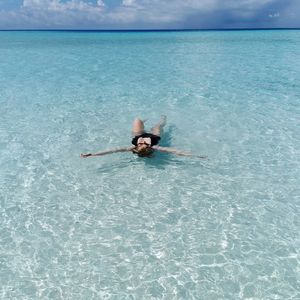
(155, 30)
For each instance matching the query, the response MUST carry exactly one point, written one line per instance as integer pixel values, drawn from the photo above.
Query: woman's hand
(85, 155)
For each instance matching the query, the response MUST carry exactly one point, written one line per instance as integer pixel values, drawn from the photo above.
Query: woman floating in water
(144, 143)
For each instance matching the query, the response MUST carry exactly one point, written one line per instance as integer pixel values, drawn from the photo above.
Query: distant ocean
(169, 227)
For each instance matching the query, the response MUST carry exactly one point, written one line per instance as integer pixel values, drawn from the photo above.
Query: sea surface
(167, 227)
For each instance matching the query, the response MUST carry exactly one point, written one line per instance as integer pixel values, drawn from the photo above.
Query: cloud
(128, 2)
(233, 14)
(47, 14)
(57, 5)
(141, 14)
(275, 15)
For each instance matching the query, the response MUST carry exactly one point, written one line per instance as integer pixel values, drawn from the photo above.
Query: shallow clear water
(123, 227)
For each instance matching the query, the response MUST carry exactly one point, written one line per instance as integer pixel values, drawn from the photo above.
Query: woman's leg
(158, 128)
(138, 127)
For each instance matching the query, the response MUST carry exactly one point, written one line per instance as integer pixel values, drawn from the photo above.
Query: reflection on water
(167, 227)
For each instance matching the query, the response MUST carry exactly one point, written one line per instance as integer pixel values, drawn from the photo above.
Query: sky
(149, 14)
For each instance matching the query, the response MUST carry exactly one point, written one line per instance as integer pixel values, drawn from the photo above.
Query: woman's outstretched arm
(175, 151)
(124, 149)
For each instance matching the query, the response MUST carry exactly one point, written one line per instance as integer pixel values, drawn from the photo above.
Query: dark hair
(144, 152)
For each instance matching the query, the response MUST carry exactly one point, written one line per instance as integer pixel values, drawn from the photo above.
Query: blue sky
(148, 14)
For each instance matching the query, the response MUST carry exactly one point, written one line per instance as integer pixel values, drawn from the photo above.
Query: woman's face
(144, 141)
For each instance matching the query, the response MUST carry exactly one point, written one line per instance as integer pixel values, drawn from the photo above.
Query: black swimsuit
(154, 138)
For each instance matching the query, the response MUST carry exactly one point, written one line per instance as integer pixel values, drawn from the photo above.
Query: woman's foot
(163, 120)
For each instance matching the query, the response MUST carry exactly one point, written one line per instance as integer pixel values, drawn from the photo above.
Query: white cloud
(275, 15)
(146, 13)
(35, 3)
(128, 2)
(100, 3)
(58, 5)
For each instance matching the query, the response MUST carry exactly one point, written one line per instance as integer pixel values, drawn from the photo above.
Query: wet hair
(144, 152)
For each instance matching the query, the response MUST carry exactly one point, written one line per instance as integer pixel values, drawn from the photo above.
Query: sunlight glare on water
(168, 227)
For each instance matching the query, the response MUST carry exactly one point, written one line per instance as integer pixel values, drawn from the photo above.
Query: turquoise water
(124, 227)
